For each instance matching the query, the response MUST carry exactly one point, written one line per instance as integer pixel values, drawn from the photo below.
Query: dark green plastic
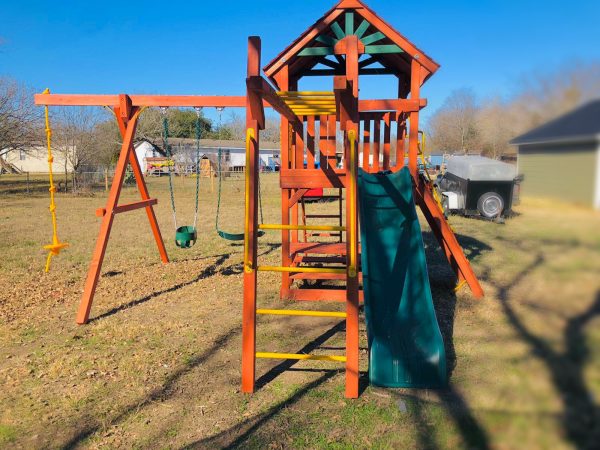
(406, 348)
(235, 236)
(185, 237)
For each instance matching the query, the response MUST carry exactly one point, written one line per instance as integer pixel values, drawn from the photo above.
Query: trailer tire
(490, 205)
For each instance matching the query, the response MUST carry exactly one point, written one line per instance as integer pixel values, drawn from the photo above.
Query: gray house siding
(567, 172)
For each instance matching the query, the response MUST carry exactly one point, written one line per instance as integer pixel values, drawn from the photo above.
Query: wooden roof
(386, 51)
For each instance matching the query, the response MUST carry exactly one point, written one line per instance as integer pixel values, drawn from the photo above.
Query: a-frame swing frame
(127, 110)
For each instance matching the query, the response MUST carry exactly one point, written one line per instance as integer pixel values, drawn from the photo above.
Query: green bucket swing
(233, 237)
(185, 236)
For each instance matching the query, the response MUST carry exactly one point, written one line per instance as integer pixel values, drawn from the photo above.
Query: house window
(22, 155)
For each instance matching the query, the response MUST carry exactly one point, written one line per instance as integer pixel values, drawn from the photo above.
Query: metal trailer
(477, 186)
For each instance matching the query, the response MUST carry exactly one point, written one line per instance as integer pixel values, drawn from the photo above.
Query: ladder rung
(291, 312)
(302, 227)
(300, 269)
(298, 357)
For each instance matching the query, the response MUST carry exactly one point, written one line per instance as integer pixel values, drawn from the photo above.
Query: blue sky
(185, 47)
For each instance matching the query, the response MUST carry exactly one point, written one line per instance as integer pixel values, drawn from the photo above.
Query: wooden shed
(561, 159)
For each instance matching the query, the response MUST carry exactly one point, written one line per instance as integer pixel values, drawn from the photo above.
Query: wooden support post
(127, 117)
(286, 158)
(413, 140)
(254, 105)
(298, 163)
(376, 143)
(366, 162)
(352, 127)
(446, 238)
(387, 135)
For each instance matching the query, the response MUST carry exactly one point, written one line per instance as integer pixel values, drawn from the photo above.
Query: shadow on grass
(160, 394)
(237, 436)
(581, 415)
(443, 282)
(308, 348)
(213, 269)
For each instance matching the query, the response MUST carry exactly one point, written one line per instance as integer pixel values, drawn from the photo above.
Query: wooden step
(322, 276)
(318, 248)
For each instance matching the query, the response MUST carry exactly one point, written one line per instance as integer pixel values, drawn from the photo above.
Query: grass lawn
(159, 365)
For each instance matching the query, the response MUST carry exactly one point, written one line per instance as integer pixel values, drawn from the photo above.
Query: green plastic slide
(406, 348)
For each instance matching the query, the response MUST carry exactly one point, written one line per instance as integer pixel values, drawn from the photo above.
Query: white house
(143, 150)
(35, 160)
(233, 153)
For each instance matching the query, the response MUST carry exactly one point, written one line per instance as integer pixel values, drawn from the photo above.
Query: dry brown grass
(158, 366)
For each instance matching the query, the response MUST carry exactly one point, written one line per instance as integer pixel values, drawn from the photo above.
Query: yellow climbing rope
(56, 246)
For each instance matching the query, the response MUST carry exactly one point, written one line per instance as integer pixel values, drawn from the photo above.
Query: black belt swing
(185, 236)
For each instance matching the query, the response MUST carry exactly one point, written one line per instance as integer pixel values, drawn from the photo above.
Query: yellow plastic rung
(305, 93)
(299, 357)
(285, 312)
(300, 270)
(306, 107)
(314, 112)
(302, 227)
(311, 102)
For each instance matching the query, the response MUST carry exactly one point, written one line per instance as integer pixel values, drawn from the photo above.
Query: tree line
(88, 137)
(467, 124)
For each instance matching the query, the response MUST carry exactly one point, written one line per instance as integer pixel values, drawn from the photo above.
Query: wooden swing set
(348, 42)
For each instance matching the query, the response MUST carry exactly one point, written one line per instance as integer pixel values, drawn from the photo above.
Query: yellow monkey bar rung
(300, 357)
(291, 312)
(306, 94)
(310, 103)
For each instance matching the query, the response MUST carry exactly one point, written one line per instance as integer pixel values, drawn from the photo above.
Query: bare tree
(107, 142)
(237, 125)
(74, 137)
(454, 125)
(20, 120)
(495, 128)
(463, 124)
(543, 96)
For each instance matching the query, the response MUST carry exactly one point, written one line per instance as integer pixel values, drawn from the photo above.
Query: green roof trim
(382, 49)
(316, 51)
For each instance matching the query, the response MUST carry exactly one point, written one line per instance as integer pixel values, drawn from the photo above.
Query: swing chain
(170, 161)
(198, 136)
(219, 189)
(220, 110)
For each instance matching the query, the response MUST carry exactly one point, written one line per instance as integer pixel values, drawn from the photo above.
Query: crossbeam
(192, 101)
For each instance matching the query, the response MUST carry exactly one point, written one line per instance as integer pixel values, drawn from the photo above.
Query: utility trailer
(477, 186)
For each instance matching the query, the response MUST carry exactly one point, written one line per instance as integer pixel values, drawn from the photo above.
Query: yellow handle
(352, 272)
(247, 263)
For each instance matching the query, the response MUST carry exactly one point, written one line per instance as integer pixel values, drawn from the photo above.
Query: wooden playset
(378, 136)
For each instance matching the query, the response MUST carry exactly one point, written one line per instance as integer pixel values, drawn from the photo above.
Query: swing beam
(127, 109)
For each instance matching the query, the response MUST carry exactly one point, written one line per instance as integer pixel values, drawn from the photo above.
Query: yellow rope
(56, 246)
